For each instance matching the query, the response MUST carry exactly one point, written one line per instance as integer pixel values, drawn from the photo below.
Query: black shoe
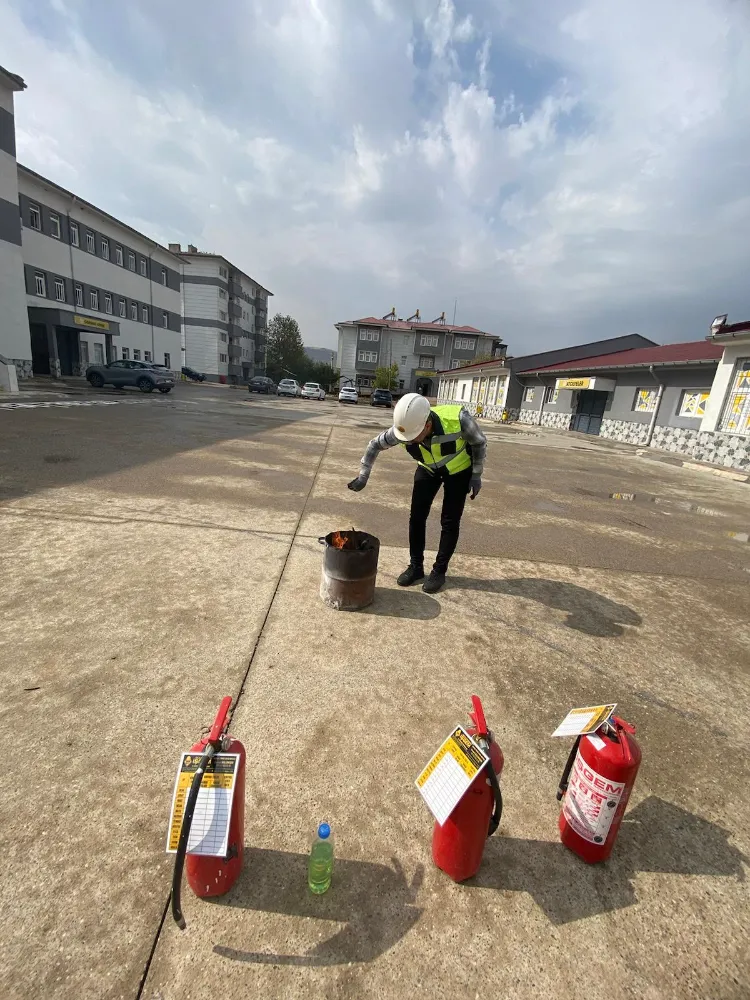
(412, 574)
(434, 582)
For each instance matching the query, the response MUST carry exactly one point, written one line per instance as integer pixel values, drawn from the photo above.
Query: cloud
(562, 169)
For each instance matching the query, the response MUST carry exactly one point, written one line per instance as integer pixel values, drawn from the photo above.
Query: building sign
(425, 372)
(573, 383)
(91, 323)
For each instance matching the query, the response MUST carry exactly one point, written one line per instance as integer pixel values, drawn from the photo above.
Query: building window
(134, 311)
(455, 363)
(368, 356)
(222, 293)
(463, 390)
(222, 315)
(59, 289)
(693, 403)
(429, 340)
(528, 394)
(118, 255)
(94, 299)
(123, 309)
(164, 276)
(147, 355)
(223, 272)
(84, 352)
(165, 320)
(35, 218)
(90, 243)
(108, 303)
(364, 382)
(550, 394)
(736, 416)
(464, 343)
(74, 237)
(404, 359)
(144, 314)
(131, 261)
(167, 360)
(105, 249)
(426, 361)
(223, 358)
(79, 296)
(126, 354)
(136, 355)
(365, 334)
(143, 266)
(223, 338)
(644, 401)
(54, 225)
(40, 283)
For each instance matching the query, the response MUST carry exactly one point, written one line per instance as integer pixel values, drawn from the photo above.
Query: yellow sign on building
(573, 383)
(90, 322)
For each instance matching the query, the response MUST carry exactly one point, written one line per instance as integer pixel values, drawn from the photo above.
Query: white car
(348, 394)
(289, 387)
(311, 390)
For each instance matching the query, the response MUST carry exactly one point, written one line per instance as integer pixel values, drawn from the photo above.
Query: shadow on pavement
(655, 837)
(402, 604)
(375, 902)
(588, 611)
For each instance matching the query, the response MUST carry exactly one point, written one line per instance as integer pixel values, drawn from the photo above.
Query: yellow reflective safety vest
(447, 447)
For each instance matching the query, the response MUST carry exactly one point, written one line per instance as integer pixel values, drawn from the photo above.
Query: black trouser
(426, 487)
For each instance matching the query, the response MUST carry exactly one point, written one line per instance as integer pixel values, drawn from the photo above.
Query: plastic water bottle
(320, 868)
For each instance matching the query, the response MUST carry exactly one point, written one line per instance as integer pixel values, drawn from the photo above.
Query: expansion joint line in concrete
(144, 977)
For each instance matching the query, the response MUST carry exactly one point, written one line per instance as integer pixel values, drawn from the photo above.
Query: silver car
(143, 374)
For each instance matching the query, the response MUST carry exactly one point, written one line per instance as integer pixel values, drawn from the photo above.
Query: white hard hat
(410, 415)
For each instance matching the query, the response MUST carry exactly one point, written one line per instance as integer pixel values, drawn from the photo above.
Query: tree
(285, 352)
(386, 378)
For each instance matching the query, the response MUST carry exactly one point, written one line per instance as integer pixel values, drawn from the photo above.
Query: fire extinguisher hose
(497, 811)
(187, 820)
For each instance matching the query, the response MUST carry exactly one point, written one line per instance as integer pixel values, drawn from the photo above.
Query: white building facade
(224, 317)
(96, 290)
(15, 343)
(420, 350)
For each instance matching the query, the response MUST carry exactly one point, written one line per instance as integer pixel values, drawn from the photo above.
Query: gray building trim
(153, 267)
(201, 279)
(216, 324)
(62, 317)
(7, 133)
(10, 222)
(437, 351)
(30, 272)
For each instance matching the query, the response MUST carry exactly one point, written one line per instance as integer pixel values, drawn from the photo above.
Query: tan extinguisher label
(591, 802)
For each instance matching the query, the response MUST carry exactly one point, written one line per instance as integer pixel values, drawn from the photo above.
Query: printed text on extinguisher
(591, 802)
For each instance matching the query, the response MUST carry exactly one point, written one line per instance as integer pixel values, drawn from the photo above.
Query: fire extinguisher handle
(477, 717)
(563, 786)
(220, 722)
(187, 820)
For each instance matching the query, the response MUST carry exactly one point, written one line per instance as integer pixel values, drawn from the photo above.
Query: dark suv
(143, 374)
(381, 397)
(193, 374)
(261, 383)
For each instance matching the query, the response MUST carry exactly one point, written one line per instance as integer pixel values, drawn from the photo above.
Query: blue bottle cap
(324, 831)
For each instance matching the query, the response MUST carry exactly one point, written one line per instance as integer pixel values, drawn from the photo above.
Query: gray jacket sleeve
(380, 443)
(475, 437)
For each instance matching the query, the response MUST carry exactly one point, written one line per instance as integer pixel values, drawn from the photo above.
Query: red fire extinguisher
(458, 845)
(210, 876)
(595, 788)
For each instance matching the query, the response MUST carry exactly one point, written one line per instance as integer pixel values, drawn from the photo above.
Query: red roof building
(694, 352)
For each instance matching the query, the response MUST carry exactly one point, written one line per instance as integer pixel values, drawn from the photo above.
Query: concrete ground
(159, 553)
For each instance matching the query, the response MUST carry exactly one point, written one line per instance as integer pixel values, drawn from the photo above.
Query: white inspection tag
(450, 772)
(209, 831)
(584, 720)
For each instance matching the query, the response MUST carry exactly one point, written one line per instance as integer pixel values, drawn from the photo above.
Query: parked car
(312, 390)
(261, 383)
(143, 374)
(381, 397)
(289, 387)
(193, 374)
(348, 394)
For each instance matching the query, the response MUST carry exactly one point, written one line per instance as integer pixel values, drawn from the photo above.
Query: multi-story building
(96, 289)
(224, 317)
(14, 323)
(419, 349)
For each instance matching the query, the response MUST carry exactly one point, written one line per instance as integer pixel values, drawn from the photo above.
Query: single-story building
(692, 398)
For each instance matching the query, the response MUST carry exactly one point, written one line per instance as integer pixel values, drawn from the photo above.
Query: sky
(559, 171)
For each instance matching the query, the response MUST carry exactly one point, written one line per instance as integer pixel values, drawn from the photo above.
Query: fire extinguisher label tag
(591, 802)
(209, 833)
(450, 772)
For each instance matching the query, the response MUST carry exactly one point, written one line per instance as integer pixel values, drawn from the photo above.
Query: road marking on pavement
(68, 402)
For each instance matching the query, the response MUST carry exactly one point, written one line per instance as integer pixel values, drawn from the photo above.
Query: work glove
(475, 486)
(357, 484)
